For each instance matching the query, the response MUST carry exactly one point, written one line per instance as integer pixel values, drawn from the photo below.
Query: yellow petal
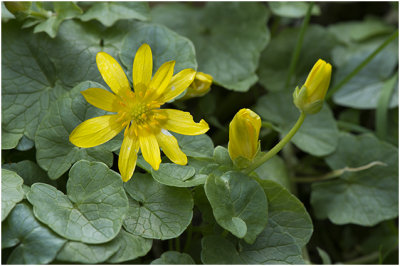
(150, 150)
(182, 122)
(128, 156)
(142, 67)
(169, 145)
(95, 131)
(200, 86)
(112, 73)
(243, 134)
(161, 79)
(102, 99)
(178, 84)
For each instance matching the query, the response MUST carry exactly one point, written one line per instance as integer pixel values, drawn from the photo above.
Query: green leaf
(5, 14)
(80, 252)
(324, 256)
(228, 37)
(11, 191)
(363, 90)
(271, 247)
(275, 59)
(30, 172)
(178, 175)
(239, 204)
(25, 144)
(62, 11)
(37, 243)
(364, 197)
(173, 257)
(130, 247)
(275, 170)
(287, 212)
(155, 210)
(200, 146)
(109, 12)
(218, 250)
(221, 156)
(166, 45)
(318, 135)
(292, 9)
(93, 209)
(359, 31)
(38, 70)
(55, 153)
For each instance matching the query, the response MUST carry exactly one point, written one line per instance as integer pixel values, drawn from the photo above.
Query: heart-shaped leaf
(11, 191)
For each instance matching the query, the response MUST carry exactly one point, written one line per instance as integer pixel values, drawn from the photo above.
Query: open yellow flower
(244, 130)
(146, 125)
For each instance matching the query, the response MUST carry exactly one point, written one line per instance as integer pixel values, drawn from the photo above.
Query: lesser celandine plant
(107, 159)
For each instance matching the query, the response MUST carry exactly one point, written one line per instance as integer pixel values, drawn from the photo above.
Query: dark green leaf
(37, 243)
(155, 210)
(365, 197)
(30, 172)
(109, 12)
(239, 204)
(178, 175)
(93, 209)
(195, 146)
(11, 191)
(174, 257)
(228, 37)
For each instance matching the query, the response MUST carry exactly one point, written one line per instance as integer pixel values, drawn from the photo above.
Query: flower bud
(199, 87)
(310, 97)
(243, 135)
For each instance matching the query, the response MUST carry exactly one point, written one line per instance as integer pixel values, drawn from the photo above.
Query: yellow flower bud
(310, 97)
(199, 87)
(244, 130)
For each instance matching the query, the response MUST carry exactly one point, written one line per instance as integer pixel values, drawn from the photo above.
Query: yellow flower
(244, 130)
(200, 86)
(146, 125)
(310, 97)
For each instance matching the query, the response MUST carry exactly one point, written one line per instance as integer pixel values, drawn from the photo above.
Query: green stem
(362, 64)
(278, 146)
(170, 245)
(39, 14)
(296, 52)
(177, 244)
(189, 235)
(383, 106)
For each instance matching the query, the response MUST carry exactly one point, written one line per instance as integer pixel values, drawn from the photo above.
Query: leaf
(292, 9)
(317, 136)
(275, 59)
(363, 90)
(287, 212)
(173, 257)
(62, 11)
(275, 170)
(55, 153)
(165, 44)
(130, 247)
(364, 197)
(178, 175)
(324, 256)
(37, 243)
(200, 146)
(228, 37)
(93, 209)
(30, 172)
(157, 211)
(11, 191)
(25, 144)
(218, 250)
(109, 12)
(5, 14)
(271, 247)
(80, 252)
(37, 70)
(239, 204)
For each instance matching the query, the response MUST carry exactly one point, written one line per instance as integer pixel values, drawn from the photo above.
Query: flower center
(138, 113)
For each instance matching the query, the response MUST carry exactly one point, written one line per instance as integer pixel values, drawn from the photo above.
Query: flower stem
(189, 233)
(278, 146)
(296, 52)
(362, 64)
